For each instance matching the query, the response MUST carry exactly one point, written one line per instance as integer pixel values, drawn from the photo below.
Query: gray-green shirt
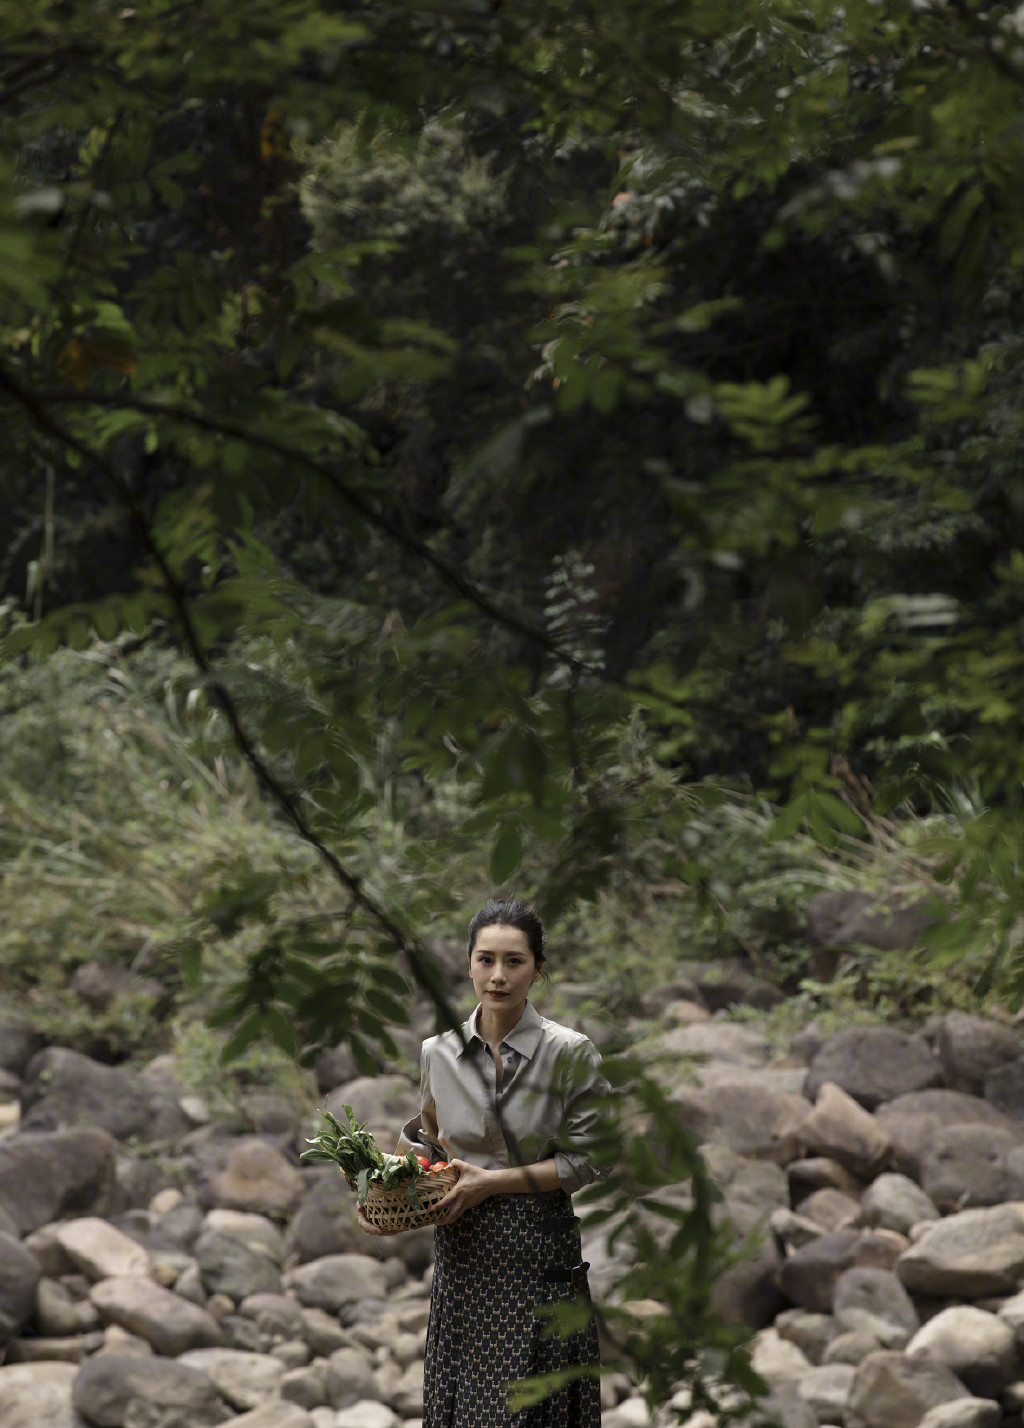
(546, 1106)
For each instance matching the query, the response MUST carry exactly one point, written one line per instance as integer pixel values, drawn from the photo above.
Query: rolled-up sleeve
(585, 1088)
(422, 1128)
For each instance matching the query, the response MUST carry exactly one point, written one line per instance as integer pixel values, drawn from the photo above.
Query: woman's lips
(497, 994)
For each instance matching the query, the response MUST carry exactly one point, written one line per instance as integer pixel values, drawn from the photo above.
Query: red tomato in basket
(439, 1165)
(424, 1162)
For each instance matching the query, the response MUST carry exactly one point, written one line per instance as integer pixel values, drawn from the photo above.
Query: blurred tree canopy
(515, 374)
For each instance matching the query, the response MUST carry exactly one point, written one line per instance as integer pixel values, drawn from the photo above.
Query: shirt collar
(523, 1037)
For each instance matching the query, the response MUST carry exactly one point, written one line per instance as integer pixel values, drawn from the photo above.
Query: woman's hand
(473, 1185)
(370, 1229)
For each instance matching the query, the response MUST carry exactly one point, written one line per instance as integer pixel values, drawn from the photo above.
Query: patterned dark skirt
(483, 1332)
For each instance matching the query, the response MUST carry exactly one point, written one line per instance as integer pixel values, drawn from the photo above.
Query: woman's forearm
(525, 1179)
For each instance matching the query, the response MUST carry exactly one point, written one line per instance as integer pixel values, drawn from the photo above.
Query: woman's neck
(494, 1023)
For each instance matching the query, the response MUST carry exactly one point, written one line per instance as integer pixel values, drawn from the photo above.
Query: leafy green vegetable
(353, 1149)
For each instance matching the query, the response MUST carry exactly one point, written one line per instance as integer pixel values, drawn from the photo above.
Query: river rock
(894, 1202)
(367, 1413)
(820, 1172)
(964, 1413)
(408, 1395)
(970, 1047)
(165, 1320)
(106, 1386)
(257, 1178)
(274, 1314)
(776, 1359)
(840, 1128)
(99, 1250)
(63, 1089)
(18, 1044)
(19, 1278)
(717, 1041)
(37, 1396)
(256, 1231)
(873, 1301)
(274, 1415)
(323, 1333)
(850, 1347)
(852, 918)
(971, 1255)
(306, 1386)
(229, 1267)
(337, 1281)
(45, 1177)
(1004, 1089)
(243, 1380)
(723, 983)
(750, 1120)
(965, 1166)
(826, 1389)
(68, 1350)
(912, 1121)
(746, 1292)
(349, 1377)
(977, 1346)
(812, 1333)
(831, 1209)
(873, 1064)
(808, 1276)
(892, 1391)
(384, 1102)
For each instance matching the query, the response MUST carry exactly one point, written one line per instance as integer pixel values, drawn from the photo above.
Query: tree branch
(417, 956)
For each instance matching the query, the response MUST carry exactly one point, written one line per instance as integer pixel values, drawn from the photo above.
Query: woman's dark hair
(510, 912)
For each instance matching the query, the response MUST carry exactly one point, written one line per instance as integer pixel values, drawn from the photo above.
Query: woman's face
(502, 967)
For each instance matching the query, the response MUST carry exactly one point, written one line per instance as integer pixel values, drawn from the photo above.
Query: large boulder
(725, 983)
(977, 1346)
(970, 1047)
(747, 1291)
(750, 1120)
(37, 1396)
(385, 1103)
(63, 1089)
(873, 1301)
(245, 1380)
(839, 1128)
(257, 1178)
(853, 918)
(726, 1041)
(48, 1177)
(873, 1064)
(912, 1121)
(19, 1278)
(228, 1266)
(975, 1254)
(964, 1166)
(337, 1281)
(164, 1319)
(274, 1314)
(18, 1044)
(964, 1413)
(108, 1385)
(1004, 1088)
(892, 1391)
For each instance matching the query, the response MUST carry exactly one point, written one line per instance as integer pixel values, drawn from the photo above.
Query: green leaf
(507, 853)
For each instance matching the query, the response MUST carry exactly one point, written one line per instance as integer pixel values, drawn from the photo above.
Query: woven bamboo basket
(392, 1209)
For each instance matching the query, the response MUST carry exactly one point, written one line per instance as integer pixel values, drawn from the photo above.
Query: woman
(513, 1103)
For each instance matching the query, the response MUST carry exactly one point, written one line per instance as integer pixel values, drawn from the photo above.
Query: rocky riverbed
(162, 1268)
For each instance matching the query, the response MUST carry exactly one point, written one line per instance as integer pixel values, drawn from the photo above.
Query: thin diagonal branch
(417, 956)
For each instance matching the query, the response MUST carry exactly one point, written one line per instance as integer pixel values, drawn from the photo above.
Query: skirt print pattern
(483, 1333)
